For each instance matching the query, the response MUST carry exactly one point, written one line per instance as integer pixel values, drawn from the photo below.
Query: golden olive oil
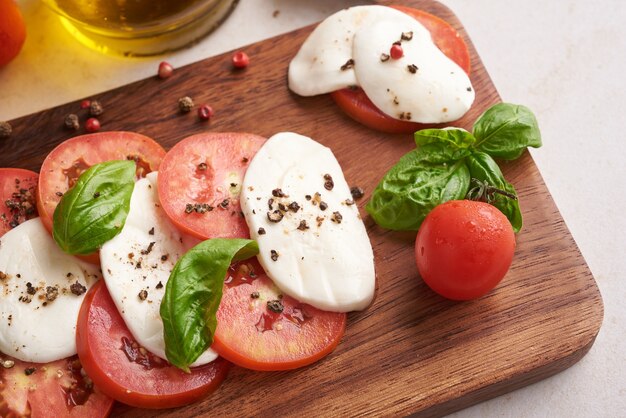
(140, 27)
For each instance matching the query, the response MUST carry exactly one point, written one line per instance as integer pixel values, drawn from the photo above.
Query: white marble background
(565, 59)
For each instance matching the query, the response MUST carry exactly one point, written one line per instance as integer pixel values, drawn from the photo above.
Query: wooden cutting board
(411, 351)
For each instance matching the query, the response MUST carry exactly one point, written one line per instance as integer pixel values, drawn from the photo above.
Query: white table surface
(564, 59)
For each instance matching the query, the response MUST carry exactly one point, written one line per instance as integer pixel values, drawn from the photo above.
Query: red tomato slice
(125, 371)
(355, 103)
(18, 191)
(200, 181)
(252, 335)
(55, 389)
(71, 158)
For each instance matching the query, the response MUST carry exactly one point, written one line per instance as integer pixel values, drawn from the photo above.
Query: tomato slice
(251, 334)
(55, 389)
(125, 371)
(18, 191)
(200, 181)
(71, 158)
(355, 103)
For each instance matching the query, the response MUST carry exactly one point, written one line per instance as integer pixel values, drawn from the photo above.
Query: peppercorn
(71, 122)
(92, 125)
(240, 60)
(396, 51)
(85, 104)
(5, 129)
(95, 108)
(185, 104)
(165, 70)
(205, 112)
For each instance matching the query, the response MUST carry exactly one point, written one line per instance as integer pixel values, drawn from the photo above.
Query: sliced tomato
(355, 103)
(125, 371)
(200, 182)
(71, 158)
(259, 328)
(56, 389)
(18, 191)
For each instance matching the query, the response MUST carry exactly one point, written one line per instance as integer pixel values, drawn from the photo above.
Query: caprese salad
(395, 69)
(137, 282)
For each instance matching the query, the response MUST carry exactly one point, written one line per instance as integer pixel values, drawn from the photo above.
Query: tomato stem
(484, 192)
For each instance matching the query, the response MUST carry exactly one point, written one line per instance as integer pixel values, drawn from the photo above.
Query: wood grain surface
(411, 351)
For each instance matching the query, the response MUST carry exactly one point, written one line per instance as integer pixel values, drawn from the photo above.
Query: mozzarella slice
(317, 67)
(320, 257)
(42, 289)
(423, 86)
(136, 265)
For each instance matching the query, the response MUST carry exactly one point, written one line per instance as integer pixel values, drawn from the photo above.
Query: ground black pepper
(275, 216)
(275, 306)
(261, 231)
(77, 288)
(356, 192)
(273, 255)
(348, 65)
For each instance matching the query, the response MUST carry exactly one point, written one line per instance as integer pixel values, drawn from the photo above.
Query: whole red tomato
(12, 31)
(464, 248)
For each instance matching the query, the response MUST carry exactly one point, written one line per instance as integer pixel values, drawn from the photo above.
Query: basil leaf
(484, 168)
(453, 137)
(193, 294)
(505, 130)
(95, 209)
(415, 185)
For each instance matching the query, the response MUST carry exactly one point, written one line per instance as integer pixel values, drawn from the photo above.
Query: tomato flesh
(126, 372)
(355, 103)
(71, 158)
(18, 191)
(56, 389)
(464, 249)
(200, 181)
(252, 335)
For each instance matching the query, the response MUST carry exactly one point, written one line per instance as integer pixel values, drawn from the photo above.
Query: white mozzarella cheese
(423, 86)
(42, 289)
(136, 265)
(317, 67)
(346, 49)
(319, 251)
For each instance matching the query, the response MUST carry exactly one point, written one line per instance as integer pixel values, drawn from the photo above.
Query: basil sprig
(445, 160)
(95, 209)
(193, 294)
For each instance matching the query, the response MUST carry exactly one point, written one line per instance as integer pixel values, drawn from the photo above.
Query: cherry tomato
(200, 181)
(464, 248)
(260, 328)
(119, 366)
(12, 31)
(71, 158)
(356, 104)
(18, 191)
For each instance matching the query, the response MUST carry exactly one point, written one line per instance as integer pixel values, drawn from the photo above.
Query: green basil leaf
(95, 209)
(484, 168)
(415, 185)
(193, 294)
(505, 130)
(453, 137)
